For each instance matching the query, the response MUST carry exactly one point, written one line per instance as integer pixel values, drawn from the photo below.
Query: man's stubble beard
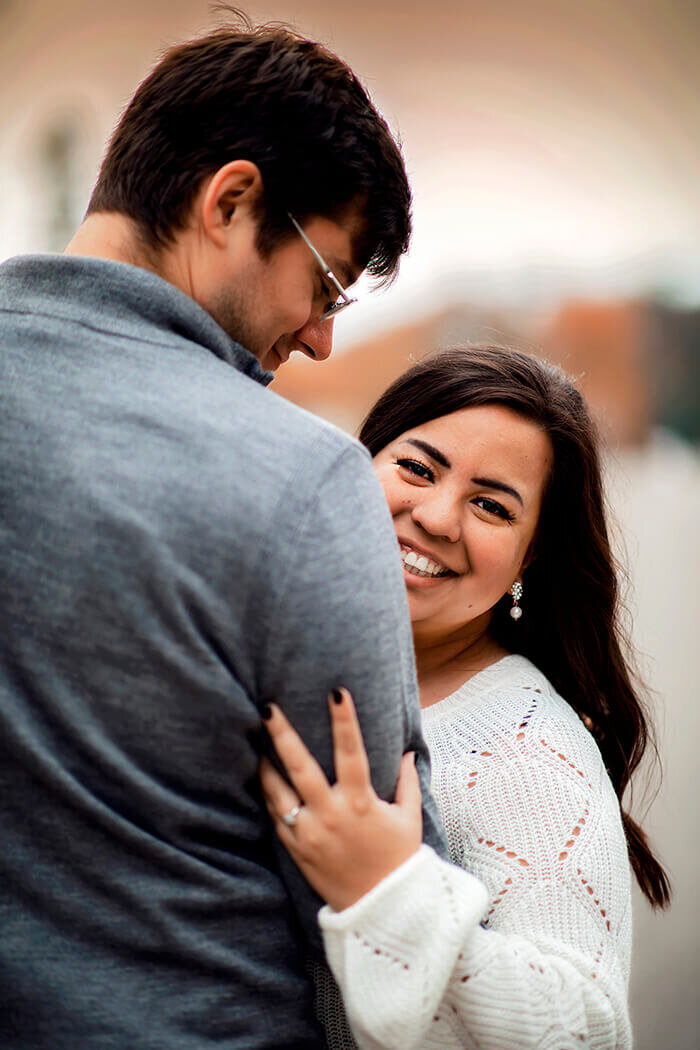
(233, 312)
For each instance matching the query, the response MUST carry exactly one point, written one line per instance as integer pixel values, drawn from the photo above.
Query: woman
(489, 463)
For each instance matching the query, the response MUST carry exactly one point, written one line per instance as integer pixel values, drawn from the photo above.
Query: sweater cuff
(418, 871)
(393, 951)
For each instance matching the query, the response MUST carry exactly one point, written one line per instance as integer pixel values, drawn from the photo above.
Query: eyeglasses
(344, 299)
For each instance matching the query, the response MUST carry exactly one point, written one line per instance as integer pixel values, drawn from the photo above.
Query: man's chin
(275, 359)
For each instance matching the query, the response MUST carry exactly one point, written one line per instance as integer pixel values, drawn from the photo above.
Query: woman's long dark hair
(571, 628)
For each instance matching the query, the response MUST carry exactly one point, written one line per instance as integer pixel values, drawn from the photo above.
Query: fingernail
(336, 696)
(266, 712)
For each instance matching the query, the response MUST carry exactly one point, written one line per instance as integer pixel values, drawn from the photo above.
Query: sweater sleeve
(546, 969)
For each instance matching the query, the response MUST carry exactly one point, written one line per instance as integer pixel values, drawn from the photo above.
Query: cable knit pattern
(530, 946)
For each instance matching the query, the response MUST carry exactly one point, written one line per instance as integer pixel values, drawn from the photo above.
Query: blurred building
(637, 363)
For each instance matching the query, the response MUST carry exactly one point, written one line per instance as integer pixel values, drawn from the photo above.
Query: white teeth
(420, 565)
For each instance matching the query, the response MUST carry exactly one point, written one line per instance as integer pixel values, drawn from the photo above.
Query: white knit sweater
(530, 945)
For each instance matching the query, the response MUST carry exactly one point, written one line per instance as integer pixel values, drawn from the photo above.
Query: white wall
(655, 493)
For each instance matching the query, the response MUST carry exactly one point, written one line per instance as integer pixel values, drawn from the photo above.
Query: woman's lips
(420, 568)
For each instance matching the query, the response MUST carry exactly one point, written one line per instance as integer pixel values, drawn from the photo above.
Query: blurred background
(554, 158)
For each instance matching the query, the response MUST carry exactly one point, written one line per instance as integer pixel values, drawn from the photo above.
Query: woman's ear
(530, 555)
(231, 195)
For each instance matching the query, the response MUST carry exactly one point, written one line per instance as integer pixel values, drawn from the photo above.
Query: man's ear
(232, 193)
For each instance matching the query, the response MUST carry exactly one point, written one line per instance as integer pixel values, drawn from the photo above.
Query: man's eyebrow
(500, 486)
(431, 451)
(346, 273)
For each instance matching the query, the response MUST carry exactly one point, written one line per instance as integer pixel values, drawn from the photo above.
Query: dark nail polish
(266, 712)
(337, 696)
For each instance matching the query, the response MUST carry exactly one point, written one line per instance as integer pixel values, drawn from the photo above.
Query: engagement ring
(290, 818)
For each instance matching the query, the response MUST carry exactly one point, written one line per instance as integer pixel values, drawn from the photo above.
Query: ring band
(290, 818)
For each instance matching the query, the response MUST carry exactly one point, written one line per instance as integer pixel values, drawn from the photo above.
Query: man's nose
(438, 513)
(316, 338)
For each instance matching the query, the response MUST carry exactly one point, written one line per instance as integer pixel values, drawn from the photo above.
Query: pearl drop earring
(517, 592)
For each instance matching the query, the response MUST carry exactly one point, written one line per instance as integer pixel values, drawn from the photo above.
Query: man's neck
(111, 235)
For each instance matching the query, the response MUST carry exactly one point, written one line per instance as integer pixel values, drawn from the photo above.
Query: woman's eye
(492, 506)
(414, 466)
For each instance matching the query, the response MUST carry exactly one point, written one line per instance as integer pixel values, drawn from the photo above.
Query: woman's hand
(343, 838)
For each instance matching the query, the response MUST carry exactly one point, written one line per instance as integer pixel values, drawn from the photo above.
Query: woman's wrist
(330, 917)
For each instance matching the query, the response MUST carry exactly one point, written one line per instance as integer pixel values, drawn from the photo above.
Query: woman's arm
(414, 966)
(417, 972)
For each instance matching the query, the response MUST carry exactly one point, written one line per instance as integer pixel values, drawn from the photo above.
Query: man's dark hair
(267, 95)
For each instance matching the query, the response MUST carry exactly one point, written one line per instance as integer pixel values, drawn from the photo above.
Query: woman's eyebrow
(500, 486)
(441, 458)
(431, 451)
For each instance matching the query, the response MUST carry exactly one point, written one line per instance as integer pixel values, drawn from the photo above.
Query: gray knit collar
(115, 296)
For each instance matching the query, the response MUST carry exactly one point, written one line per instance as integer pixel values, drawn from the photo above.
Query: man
(180, 546)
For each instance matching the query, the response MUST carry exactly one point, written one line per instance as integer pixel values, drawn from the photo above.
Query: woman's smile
(420, 567)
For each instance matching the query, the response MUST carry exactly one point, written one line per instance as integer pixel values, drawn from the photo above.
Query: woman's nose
(438, 514)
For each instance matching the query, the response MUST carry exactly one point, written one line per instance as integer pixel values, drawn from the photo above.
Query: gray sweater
(177, 546)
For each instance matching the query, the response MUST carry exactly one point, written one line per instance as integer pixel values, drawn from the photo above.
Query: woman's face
(465, 492)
